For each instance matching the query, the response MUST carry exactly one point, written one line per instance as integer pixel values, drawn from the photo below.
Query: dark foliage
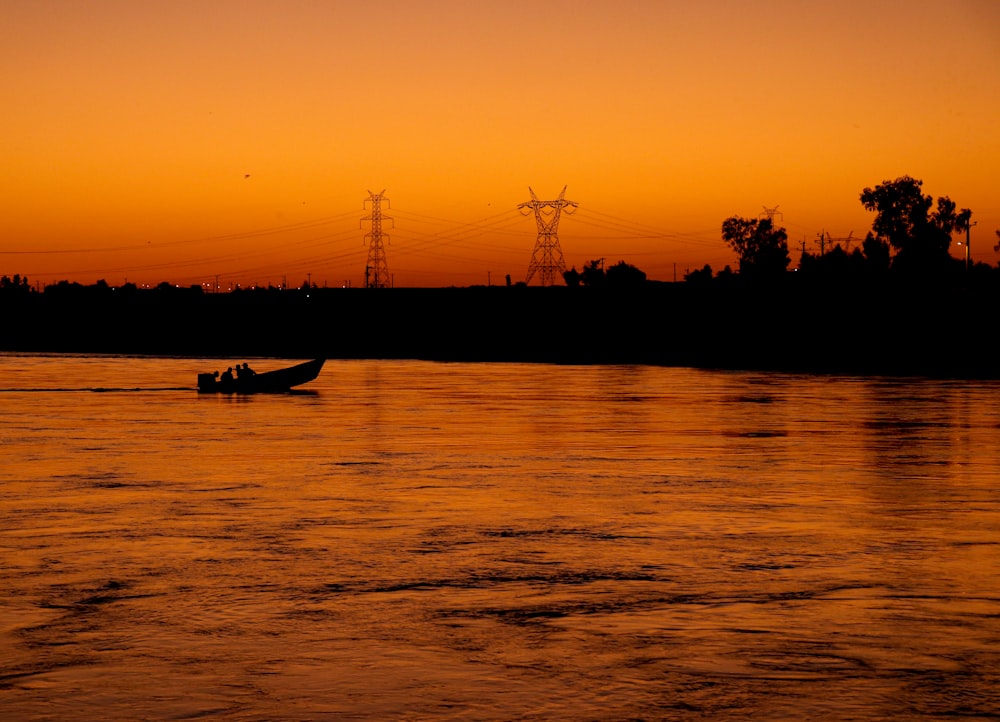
(905, 220)
(15, 286)
(761, 247)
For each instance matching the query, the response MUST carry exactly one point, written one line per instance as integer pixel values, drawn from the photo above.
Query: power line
(239, 236)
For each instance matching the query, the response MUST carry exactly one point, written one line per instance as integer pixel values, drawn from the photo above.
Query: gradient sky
(183, 140)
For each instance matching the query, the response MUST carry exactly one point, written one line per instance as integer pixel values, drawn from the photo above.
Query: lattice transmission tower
(772, 213)
(376, 270)
(547, 258)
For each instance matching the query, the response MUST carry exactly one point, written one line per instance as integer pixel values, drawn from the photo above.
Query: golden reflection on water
(460, 541)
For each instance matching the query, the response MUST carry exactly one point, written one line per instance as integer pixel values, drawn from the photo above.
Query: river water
(411, 540)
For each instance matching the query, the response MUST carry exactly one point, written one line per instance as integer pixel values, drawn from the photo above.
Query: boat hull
(269, 382)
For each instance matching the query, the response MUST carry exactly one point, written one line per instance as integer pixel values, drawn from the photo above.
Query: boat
(268, 382)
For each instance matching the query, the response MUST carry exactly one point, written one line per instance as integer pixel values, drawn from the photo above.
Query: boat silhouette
(268, 382)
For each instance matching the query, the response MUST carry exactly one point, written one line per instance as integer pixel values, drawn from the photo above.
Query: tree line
(911, 236)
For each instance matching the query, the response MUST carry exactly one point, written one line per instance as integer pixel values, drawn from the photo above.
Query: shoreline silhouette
(889, 327)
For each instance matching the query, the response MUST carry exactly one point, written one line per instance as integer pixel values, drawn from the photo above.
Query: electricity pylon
(547, 258)
(772, 213)
(376, 270)
(825, 240)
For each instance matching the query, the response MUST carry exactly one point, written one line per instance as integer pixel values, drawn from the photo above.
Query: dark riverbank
(906, 329)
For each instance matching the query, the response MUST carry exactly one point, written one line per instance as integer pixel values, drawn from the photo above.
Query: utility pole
(968, 248)
(547, 258)
(377, 270)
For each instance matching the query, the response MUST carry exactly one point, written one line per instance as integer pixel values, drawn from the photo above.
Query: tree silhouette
(571, 277)
(15, 286)
(905, 221)
(876, 251)
(625, 275)
(593, 274)
(701, 275)
(761, 247)
(871, 259)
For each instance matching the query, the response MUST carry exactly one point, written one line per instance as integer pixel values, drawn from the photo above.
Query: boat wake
(97, 390)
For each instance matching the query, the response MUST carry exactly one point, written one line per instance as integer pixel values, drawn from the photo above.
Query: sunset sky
(182, 140)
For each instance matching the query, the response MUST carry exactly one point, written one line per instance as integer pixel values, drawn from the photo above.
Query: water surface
(413, 540)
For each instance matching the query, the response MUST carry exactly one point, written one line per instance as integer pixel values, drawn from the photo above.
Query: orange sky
(181, 139)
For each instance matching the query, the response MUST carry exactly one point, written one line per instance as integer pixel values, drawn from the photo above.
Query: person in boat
(227, 376)
(246, 372)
